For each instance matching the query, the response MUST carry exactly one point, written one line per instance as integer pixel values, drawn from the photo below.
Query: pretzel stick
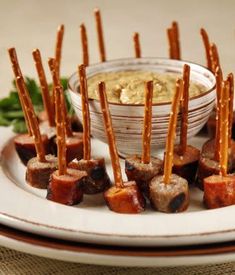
(171, 133)
(100, 35)
(214, 57)
(61, 146)
(44, 87)
(184, 110)
(230, 78)
(84, 45)
(85, 113)
(147, 122)
(137, 45)
(175, 29)
(58, 47)
(17, 72)
(219, 78)
(170, 41)
(206, 43)
(224, 128)
(32, 118)
(110, 136)
(56, 82)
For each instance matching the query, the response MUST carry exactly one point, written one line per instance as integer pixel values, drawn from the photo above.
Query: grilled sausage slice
(74, 147)
(186, 165)
(219, 191)
(38, 173)
(98, 179)
(25, 148)
(127, 200)
(142, 173)
(211, 125)
(169, 198)
(207, 166)
(66, 189)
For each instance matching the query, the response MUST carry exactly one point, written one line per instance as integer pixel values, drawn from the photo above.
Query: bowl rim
(144, 58)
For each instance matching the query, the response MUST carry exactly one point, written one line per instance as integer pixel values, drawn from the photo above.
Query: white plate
(23, 207)
(116, 256)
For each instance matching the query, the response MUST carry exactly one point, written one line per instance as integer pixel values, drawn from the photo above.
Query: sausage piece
(38, 173)
(25, 148)
(207, 166)
(142, 173)
(186, 165)
(211, 125)
(169, 198)
(74, 147)
(66, 189)
(219, 191)
(98, 180)
(127, 200)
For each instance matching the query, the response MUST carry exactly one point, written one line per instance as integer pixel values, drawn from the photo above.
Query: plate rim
(108, 255)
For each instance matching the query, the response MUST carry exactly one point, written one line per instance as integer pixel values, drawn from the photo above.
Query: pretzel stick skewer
(85, 113)
(100, 35)
(219, 78)
(58, 46)
(44, 87)
(184, 109)
(17, 72)
(175, 29)
(206, 43)
(110, 135)
(32, 118)
(60, 131)
(137, 45)
(170, 41)
(214, 57)
(171, 133)
(84, 41)
(56, 83)
(224, 128)
(147, 122)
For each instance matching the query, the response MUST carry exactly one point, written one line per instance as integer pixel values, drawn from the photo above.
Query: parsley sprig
(10, 109)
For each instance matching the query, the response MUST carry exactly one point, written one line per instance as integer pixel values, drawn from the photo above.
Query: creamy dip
(127, 87)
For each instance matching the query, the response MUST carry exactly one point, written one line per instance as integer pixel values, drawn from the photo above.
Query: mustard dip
(127, 87)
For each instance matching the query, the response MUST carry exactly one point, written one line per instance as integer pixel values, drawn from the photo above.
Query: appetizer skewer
(209, 159)
(39, 168)
(98, 178)
(100, 35)
(24, 143)
(58, 47)
(48, 104)
(219, 190)
(85, 55)
(186, 157)
(136, 40)
(66, 184)
(142, 169)
(123, 197)
(174, 43)
(169, 192)
(74, 143)
(206, 42)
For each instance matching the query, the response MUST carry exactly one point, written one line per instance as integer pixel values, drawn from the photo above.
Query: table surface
(30, 24)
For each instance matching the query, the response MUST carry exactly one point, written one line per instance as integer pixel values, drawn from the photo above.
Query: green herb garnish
(10, 109)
